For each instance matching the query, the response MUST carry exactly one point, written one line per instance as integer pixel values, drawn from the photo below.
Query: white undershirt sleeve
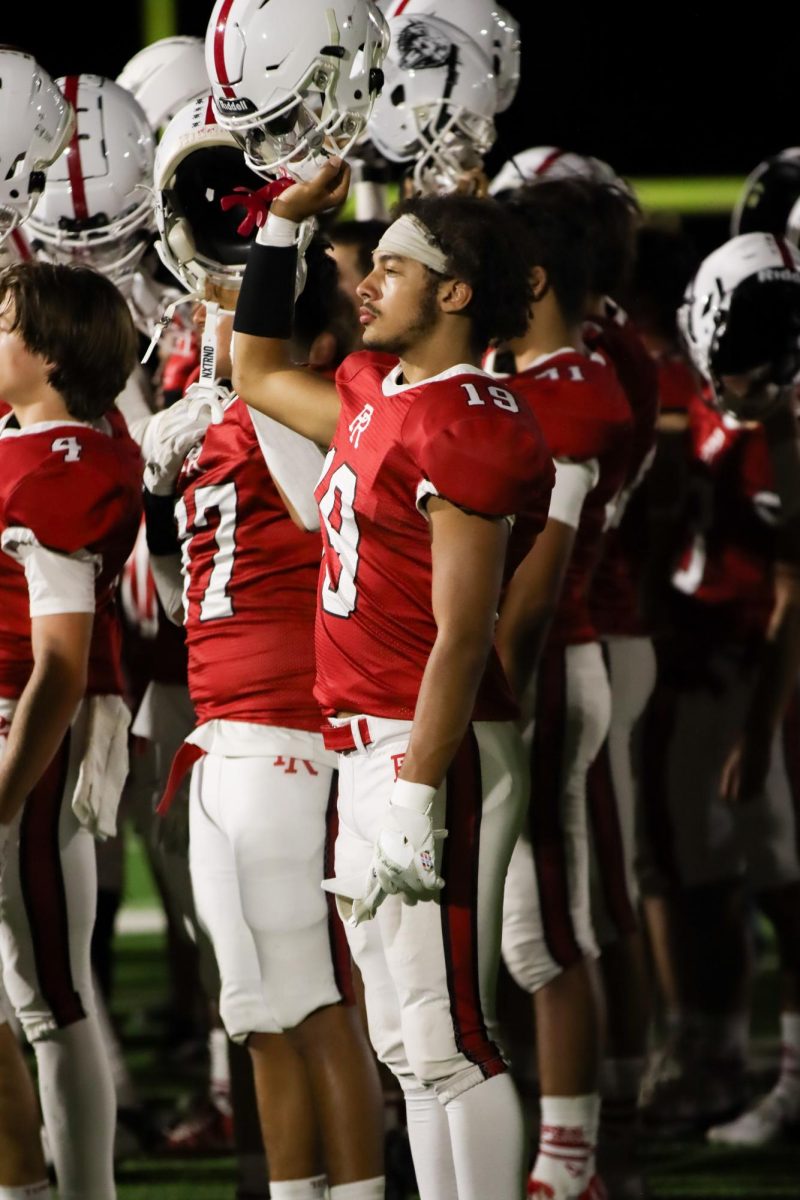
(574, 481)
(294, 463)
(57, 583)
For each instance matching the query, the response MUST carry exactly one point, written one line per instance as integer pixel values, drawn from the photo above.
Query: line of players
(578, 365)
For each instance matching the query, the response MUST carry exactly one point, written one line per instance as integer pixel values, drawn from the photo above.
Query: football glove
(171, 434)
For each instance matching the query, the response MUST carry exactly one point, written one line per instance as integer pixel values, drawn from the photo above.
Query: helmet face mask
(37, 124)
(291, 93)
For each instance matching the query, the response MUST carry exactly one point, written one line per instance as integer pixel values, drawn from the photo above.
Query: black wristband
(159, 519)
(265, 307)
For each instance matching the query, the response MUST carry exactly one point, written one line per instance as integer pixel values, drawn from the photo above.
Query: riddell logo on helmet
(773, 274)
(231, 107)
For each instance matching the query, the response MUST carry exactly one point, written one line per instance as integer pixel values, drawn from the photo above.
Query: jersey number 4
(342, 535)
(221, 498)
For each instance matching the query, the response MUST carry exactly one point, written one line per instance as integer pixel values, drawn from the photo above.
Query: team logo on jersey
(420, 47)
(360, 423)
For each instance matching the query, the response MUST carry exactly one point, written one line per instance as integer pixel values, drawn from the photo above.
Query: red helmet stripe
(400, 8)
(74, 169)
(22, 247)
(783, 250)
(219, 48)
(546, 163)
(210, 115)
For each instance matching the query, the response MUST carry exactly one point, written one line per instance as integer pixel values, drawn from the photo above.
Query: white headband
(409, 238)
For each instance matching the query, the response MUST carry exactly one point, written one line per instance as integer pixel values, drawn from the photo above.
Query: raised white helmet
(166, 75)
(36, 125)
(295, 80)
(97, 205)
(438, 103)
(488, 24)
(770, 199)
(198, 163)
(550, 162)
(741, 312)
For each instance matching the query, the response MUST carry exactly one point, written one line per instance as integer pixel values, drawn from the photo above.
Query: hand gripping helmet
(770, 199)
(741, 314)
(37, 124)
(550, 162)
(198, 163)
(491, 27)
(164, 76)
(96, 206)
(438, 102)
(295, 80)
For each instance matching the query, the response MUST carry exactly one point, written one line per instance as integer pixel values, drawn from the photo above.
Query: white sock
(363, 1189)
(487, 1133)
(28, 1191)
(219, 1070)
(79, 1108)
(567, 1142)
(429, 1138)
(789, 1080)
(299, 1189)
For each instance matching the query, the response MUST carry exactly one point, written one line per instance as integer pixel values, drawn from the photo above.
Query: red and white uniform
(429, 970)
(263, 792)
(627, 649)
(707, 666)
(586, 420)
(70, 505)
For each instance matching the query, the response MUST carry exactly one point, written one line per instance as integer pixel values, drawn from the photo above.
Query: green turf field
(683, 1170)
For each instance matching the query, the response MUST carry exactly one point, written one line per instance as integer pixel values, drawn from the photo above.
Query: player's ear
(323, 351)
(540, 283)
(454, 295)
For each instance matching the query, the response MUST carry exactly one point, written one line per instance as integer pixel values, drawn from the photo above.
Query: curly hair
(78, 321)
(483, 248)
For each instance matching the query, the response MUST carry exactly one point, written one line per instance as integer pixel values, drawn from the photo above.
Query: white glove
(404, 859)
(171, 434)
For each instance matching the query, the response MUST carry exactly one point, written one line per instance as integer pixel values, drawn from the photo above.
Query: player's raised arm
(263, 373)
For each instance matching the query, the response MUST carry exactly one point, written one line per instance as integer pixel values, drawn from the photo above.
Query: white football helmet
(438, 103)
(741, 314)
(37, 123)
(198, 163)
(770, 199)
(166, 75)
(97, 206)
(295, 80)
(488, 24)
(550, 162)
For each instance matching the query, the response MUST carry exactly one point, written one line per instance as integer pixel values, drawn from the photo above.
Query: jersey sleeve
(68, 510)
(573, 427)
(483, 452)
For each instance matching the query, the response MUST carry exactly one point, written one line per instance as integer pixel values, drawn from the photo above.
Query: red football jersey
(76, 487)
(584, 415)
(734, 511)
(463, 436)
(614, 593)
(251, 579)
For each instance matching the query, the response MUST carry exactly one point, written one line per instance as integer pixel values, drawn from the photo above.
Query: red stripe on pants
(608, 843)
(340, 951)
(459, 908)
(544, 814)
(43, 892)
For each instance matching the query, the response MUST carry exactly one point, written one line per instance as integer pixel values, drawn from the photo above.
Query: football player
(727, 674)
(550, 651)
(429, 458)
(69, 509)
